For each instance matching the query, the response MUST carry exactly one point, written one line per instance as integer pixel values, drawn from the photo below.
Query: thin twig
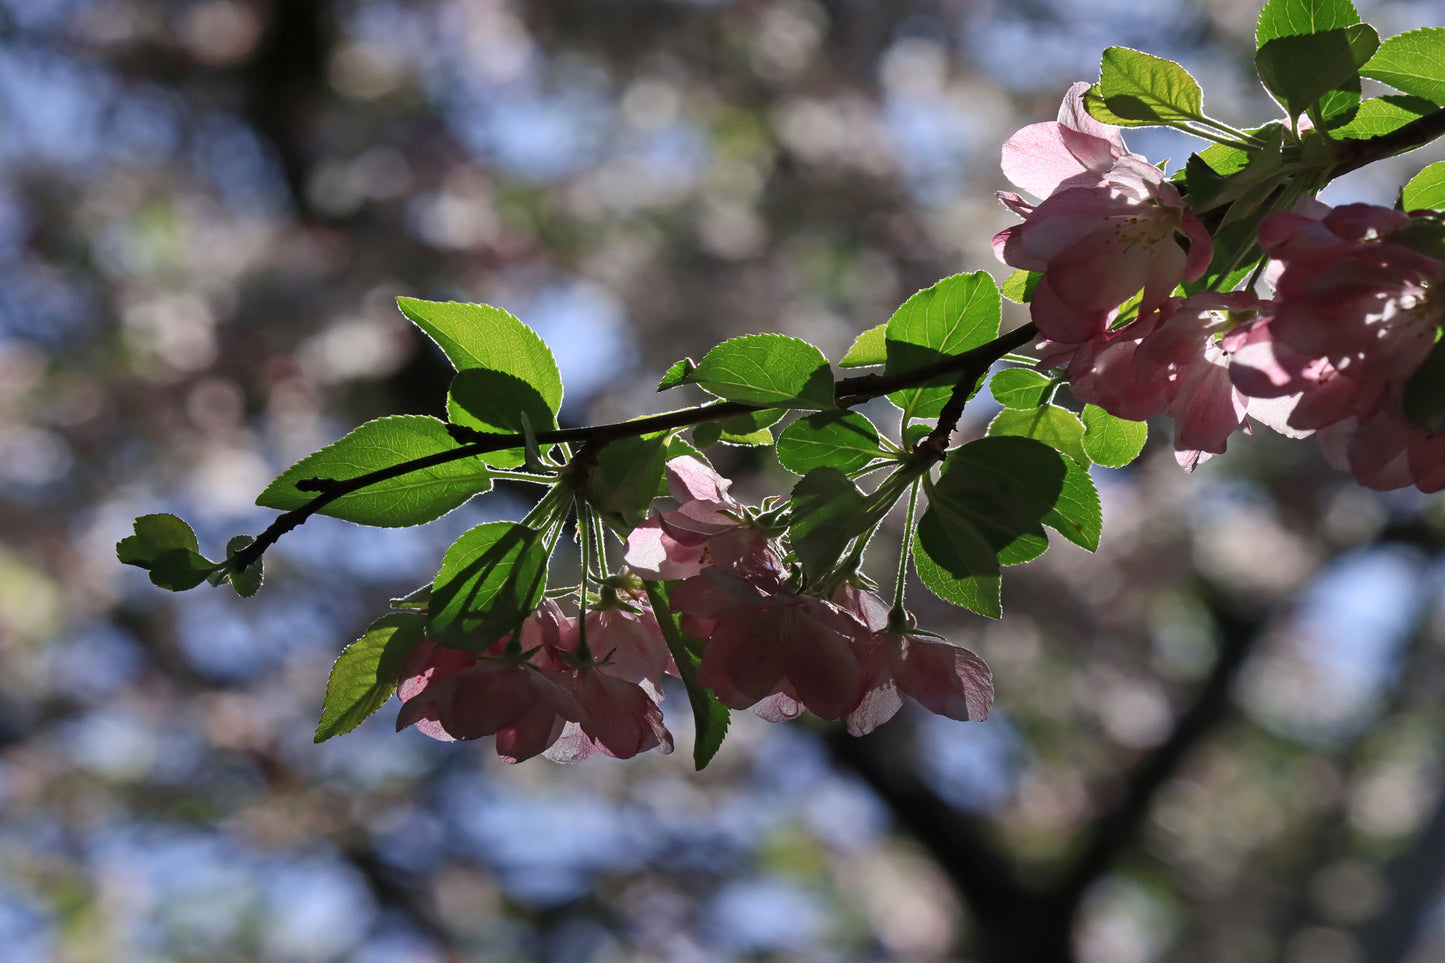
(847, 392)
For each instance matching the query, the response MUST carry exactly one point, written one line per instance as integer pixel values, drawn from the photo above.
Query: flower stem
(906, 552)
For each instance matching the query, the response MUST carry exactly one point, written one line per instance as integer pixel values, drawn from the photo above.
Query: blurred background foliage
(1220, 739)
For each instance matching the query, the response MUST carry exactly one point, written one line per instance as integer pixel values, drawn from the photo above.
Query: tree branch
(847, 392)
(1354, 154)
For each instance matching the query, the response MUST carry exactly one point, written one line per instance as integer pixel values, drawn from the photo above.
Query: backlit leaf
(1426, 190)
(481, 336)
(768, 369)
(1054, 426)
(366, 673)
(868, 348)
(1021, 388)
(411, 499)
(490, 580)
(1412, 62)
(1143, 88)
(1110, 441)
(843, 439)
(952, 316)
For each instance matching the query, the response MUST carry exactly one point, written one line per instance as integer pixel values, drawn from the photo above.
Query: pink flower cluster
(547, 699)
(776, 650)
(1352, 318)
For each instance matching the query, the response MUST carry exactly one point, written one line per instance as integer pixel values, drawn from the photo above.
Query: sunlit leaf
(868, 348)
(768, 369)
(490, 580)
(1412, 62)
(366, 673)
(1426, 190)
(952, 316)
(1298, 70)
(1289, 18)
(411, 499)
(1110, 441)
(1140, 87)
(481, 336)
(843, 439)
(1021, 388)
(1054, 426)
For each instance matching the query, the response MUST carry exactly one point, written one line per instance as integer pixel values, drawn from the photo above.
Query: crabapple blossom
(944, 678)
(449, 698)
(708, 529)
(542, 695)
(762, 642)
(1355, 313)
(1104, 230)
(1350, 294)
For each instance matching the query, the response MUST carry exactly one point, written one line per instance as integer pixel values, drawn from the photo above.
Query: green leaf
(481, 336)
(1056, 427)
(179, 569)
(1142, 88)
(246, 583)
(154, 534)
(868, 348)
(709, 715)
(977, 593)
(1412, 62)
(414, 498)
(1110, 441)
(1077, 514)
(494, 401)
(679, 374)
(1426, 190)
(768, 369)
(988, 505)
(490, 580)
(1019, 287)
(1425, 392)
(1021, 388)
(841, 438)
(827, 514)
(706, 434)
(952, 316)
(1383, 115)
(498, 403)
(366, 673)
(750, 427)
(1289, 18)
(1299, 70)
(166, 546)
(626, 475)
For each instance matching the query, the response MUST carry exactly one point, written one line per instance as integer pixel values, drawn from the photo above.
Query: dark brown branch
(847, 392)
(1120, 827)
(1354, 154)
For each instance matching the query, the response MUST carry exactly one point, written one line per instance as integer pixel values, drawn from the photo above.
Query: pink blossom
(1347, 293)
(708, 529)
(944, 678)
(759, 643)
(448, 698)
(618, 716)
(550, 701)
(1105, 230)
(1355, 313)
